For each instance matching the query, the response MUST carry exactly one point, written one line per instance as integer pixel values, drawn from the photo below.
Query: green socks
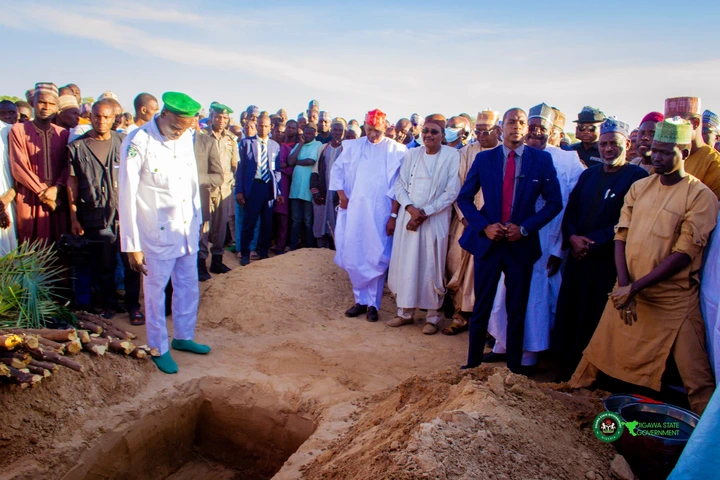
(190, 346)
(165, 363)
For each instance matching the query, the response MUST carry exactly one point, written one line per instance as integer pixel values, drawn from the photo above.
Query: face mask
(451, 134)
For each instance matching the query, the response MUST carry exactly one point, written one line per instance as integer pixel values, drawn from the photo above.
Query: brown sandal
(456, 327)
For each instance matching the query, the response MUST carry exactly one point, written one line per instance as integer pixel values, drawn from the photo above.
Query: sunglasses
(587, 128)
(483, 133)
(431, 131)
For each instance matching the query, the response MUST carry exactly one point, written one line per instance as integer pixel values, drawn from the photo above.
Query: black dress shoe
(245, 260)
(372, 314)
(527, 370)
(493, 357)
(219, 268)
(356, 310)
(203, 274)
(216, 266)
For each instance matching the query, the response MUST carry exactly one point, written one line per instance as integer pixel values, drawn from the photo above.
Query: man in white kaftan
(547, 271)
(8, 238)
(363, 175)
(428, 182)
(709, 299)
(160, 221)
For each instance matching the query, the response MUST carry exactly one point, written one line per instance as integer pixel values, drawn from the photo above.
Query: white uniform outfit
(366, 172)
(417, 266)
(544, 290)
(160, 216)
(8, 238)
(709, 294)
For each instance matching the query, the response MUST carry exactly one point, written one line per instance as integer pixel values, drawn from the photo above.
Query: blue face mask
(452, 134)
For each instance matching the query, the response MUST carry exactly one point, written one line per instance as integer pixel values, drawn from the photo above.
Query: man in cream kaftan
(417, 267)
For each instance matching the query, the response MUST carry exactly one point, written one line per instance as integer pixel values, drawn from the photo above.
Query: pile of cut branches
(27, 356)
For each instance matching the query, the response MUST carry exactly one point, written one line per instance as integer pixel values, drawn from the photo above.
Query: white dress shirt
(159, 196)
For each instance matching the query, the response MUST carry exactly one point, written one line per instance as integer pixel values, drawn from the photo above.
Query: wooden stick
(83, 336)
(88, 325)
(74, 347)
(55, 357)
(15, 362)
(51, 345)
(30, 341)
(97, 346)
(48, 333)
(52, 367)
(138, 353)
(24, 379)
(153, 352)
(121, 346)
(38, 371)
(10, 341)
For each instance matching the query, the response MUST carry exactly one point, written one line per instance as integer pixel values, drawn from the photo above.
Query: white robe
(544, 290)
(417, 266)
(8, 238)
(366, 172)
(709, 294)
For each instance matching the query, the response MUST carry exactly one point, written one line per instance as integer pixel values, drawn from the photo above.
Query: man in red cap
(645, 135)
(362, 176)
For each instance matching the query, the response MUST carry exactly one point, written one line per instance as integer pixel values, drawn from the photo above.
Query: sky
(624, 57)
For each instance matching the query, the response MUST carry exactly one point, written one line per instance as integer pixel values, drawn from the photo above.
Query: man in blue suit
(257, 187)
(503, 234)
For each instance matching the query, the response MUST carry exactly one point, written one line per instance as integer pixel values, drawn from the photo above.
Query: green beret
(220, 108)
(180, 104)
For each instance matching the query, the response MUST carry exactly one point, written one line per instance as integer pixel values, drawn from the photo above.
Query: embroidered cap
(674, 130)
(375, 118)
(613, 125)
(679, 105)
(253, 110)
(46, 88)
(711, 121)
(488, 117)
(560, 119)
(543, 111)
(67, 102)
(324, 116)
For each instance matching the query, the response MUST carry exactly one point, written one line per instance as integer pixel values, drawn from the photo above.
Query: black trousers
(518, 273)
(257, 206)
(104, 250)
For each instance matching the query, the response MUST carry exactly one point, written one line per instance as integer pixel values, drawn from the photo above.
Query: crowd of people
(599, 250)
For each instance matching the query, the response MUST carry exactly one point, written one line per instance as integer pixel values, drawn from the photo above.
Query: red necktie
(508, 188)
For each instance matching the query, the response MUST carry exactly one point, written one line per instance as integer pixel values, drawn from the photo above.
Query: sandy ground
(280, 344)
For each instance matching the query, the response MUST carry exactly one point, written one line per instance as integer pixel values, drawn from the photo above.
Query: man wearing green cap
(160, 222)
(654, 310)
(221, 201)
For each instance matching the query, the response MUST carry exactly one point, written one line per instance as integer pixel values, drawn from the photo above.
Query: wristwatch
(393, 215)
(523, 232)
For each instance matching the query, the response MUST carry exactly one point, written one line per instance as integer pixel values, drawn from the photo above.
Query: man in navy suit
(257, 187)
(503, 234)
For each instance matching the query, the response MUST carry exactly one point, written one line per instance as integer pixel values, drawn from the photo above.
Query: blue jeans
(301, 212)
(239, 214)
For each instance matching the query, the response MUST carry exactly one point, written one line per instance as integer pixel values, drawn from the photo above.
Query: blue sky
(624, 57)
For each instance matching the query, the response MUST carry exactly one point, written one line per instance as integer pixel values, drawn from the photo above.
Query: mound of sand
(487, 423)
(36, 421)
(273, 294)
